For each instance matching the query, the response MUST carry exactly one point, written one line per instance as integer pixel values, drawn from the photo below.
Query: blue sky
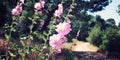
(110, 11)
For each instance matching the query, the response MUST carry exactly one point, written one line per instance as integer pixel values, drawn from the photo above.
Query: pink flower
(63, 38)
(42, 3)
(63, 28)
(60, 6)
(55, 41)
(42, 24)
(40, 12)
(22, 1)
(15, 12)
(39, 5)
(19, 8)
(59, 11)
(58, 50)
(68, 20)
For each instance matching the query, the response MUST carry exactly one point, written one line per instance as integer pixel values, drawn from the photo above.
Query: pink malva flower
(19, 8)
(41, 24)
(63, 28)
(68, 20)
(15, 12)
(58, 50)
(63, 38)
(42, 3)
(59, 11)
(40, 12)
(39, 5)
(60, 6)
(22, 1)
(56, 40)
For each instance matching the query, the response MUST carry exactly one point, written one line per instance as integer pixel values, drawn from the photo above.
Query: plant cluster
(35, 41)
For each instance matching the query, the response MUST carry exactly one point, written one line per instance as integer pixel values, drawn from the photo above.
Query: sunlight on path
(80, 46)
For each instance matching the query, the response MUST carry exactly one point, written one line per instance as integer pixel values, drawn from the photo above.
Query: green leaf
(44, 33)
(36, 48)
(41, 58)
(44, 47)
(30, 18)
(7, 36)
(21, 53)
(52, 26)
(11, 54)
(31, 37)
(43, 37)
(23, 44)
(26, 49)
(14, 46)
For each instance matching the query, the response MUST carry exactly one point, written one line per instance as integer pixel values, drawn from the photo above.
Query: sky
(110, 11)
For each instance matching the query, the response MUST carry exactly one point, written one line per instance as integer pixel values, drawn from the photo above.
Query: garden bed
(66, 54)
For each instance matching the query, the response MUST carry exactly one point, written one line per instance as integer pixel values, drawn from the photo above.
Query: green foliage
(106, 36)
(113, 37)
(95, 35)
(41, 58)
(119, 25)
(111, 21)
(118, 11)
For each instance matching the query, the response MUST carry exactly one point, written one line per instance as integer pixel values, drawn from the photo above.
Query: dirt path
(80, 46)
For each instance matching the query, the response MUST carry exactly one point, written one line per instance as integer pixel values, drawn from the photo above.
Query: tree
(119, 25)
(111, 21)
(118, 10)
